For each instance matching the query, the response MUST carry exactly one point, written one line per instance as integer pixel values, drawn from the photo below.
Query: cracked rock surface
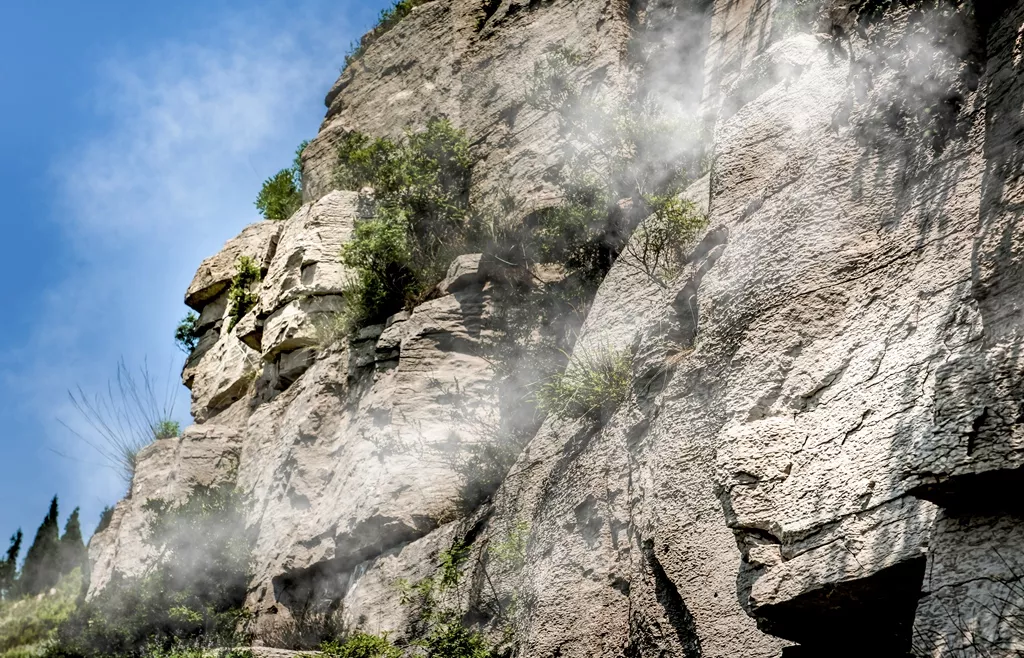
(824, 434)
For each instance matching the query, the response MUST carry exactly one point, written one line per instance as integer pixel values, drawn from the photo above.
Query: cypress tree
(9, 566)
(41, 570)
(72, 548)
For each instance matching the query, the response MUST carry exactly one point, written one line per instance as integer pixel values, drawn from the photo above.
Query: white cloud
(191, 129)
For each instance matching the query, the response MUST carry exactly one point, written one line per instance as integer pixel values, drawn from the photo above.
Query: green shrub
(28, 624)
(657, 245)
(453, 640)
(192, 597)
(281, 194)
(187, 334)
(389, 17)
(279, 198)
(422, 191)
(380, 256)
(167, 429)
(361, 645)
(595, 379)
(241, 296)
(365, 161)
(617, 157)
(443, 634)
(551, 86)
(575, 233)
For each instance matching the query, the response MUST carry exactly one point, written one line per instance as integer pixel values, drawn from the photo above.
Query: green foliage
(28, 625)
(551, 86)
(281, 194)
(73, 554)
(361, 645)
(595, 379)
(422, 190)
(106, 516)
(127, 419)
(204, 544)
(389, 17)
(657, 245)
(166, 429)
(190, 600)
(365, 161)
(440, 618)
(617, 158)
(241, 296)
(9, 566)
(451, 564)
(41, 570)
(510, 551)
(453, 640)
(575, 233)
(279, 198)
(380, 255)
(187, 334)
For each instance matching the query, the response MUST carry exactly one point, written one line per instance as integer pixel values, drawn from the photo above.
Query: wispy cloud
(192, 127)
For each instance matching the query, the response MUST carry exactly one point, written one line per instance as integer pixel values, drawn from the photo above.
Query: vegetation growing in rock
(190, 600)
(596, 378)
(361, 645)
(389, 17)
(656, 246)
(241, 296)
(440, 610)
(423, 221)
(281, 194)
(167, 429)
(622, 163)
(187, 335)
(134, 412)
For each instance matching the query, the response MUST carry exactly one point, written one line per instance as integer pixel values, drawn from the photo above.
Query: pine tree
(41, 570)
(72, 549)
(9, 566)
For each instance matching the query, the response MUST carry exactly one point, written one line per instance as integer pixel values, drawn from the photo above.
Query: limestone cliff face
(824, 443)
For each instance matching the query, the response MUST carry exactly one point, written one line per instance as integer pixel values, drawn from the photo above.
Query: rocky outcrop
(470, 62)
(821, 448)
(204, 455)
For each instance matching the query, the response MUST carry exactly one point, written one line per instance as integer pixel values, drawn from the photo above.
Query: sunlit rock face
(822, 449)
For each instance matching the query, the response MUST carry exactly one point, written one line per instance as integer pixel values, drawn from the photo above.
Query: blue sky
(133, 140)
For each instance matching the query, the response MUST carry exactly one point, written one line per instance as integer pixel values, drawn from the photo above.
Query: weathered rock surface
(823, 440)
(203, 455)
(258, 241)
(360, 456)
(471, 64)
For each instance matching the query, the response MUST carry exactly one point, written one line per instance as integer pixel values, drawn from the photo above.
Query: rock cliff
(823, 446)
